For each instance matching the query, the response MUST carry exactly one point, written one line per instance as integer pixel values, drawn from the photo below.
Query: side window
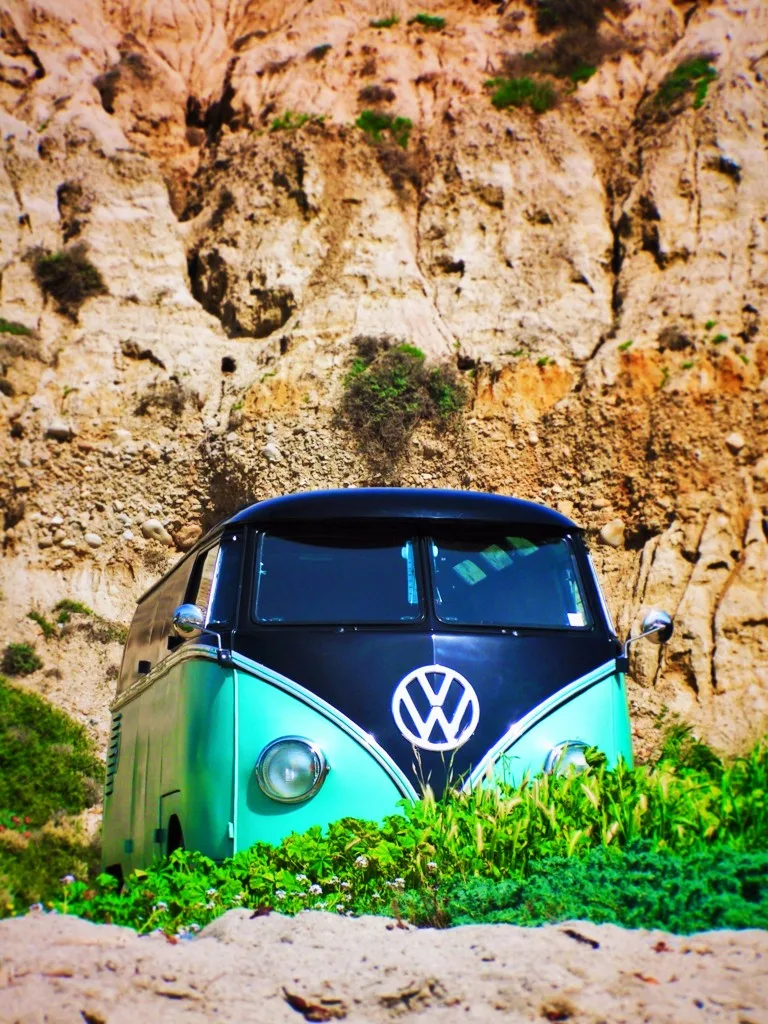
(206, 579)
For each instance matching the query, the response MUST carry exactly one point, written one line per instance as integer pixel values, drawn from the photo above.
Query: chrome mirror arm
(657, 626)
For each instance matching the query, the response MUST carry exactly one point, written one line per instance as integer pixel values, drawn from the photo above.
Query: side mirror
(188, 621)
(657, 626)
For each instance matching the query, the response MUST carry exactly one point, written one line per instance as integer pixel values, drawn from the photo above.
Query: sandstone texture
(319, 967)
(598, 274)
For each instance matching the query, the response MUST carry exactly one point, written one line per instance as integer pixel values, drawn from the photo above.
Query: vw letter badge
(435, 708)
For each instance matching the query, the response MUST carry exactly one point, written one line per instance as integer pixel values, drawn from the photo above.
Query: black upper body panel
(400, 504)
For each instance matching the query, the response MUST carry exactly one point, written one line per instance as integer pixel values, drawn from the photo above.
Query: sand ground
(320, 967)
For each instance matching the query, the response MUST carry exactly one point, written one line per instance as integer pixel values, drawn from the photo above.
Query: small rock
(22, 482)
(45, 542)
(613, 533)
(57, 521)
(24, 463)
(93, 540)
(565, 508)
(125, 519)
(761, 470)
(126, 535)
(60, 430)
(118, 506)
(68, 543)
(272, 453)
(599, 503)
(120, 435)
(59, 536)
(153, 529)
(185, 537)
(533, 437)
(735, 442)
(269, 428)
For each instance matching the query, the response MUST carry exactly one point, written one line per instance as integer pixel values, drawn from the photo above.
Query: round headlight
(291, 769)
(569, 754)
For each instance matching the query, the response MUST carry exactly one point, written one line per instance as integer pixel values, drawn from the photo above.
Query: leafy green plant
(687, 365)
(582, 72)
(625, 345)
(695, 74)
(710, 324)
(20, 660)
(67, 276)
(543, 361)
(719, 339)
(518, 92)
(431, 22)
(12, 327)
(387, 22)
(47, 627)
(388, 390)
(374, 123)
(290, 121)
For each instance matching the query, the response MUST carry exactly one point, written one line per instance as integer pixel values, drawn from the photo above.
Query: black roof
(401, 503)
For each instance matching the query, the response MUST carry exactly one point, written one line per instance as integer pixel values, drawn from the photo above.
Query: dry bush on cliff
(67, 276)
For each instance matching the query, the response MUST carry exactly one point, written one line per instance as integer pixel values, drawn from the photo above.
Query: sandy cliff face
(598, 273)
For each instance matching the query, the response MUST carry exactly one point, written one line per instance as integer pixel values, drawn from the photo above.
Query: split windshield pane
(506, 580)
(337, 580)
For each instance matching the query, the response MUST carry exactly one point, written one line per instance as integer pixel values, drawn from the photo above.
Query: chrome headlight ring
(565, 755)
(291, 769)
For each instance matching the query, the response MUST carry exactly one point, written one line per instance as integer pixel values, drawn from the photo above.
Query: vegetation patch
(67, 608)
(12, 327)
(318, 52)
(555, 14)
(20, 660)
(682, 844)
(385, 22)
(518, 92)
(375, 123)
(376, 94)
(692, 75)
(389, 390)
(431, 22)
(47, 627)
(68, 277)
(290, 121)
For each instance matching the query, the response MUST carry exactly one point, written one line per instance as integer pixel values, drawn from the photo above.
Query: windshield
(503, 580)
(337, 580)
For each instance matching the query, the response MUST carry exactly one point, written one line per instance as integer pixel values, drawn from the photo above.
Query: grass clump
(68, 277)
(318, 52)
(389, 390)
(431, 22)
(387, 22)
(518, 92)
(20, 660)
(695, 74)
(13, 327)
(47, 627)
(67, 608)
(290, 121)
(374, 123)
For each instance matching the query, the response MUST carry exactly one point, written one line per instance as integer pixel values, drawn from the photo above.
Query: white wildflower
(160, 905)
(194, 927)
(280, 894)
(67, 879)
(210, 892)
(209, 906)
(361, 861)
(431, 866)
(346, 885)
(315, 890)
(301, 878)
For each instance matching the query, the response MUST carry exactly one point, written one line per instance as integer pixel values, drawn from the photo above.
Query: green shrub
(33, 861)
(20, 660)
(695, 74)
(47, 762)
(47, 627)
(68, 277)
(374, 123)
(582, 72)
(384, 22)
(431, 22)
(67, 608)
(290, 121)
(12, 327)
(388, 391)
(518, 92)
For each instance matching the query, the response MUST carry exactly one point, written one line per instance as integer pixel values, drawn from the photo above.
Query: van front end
(300, 762)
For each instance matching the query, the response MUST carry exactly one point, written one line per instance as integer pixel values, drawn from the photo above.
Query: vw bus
(328, 654)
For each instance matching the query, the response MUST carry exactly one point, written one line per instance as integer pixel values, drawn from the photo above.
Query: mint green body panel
(177, 738)
(592, 709)
(191, 733)
(356, 786)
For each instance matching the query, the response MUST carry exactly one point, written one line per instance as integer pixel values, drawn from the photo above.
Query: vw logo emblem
(435, 708)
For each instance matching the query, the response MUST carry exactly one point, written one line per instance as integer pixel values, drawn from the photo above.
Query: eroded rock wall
(597, 274)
